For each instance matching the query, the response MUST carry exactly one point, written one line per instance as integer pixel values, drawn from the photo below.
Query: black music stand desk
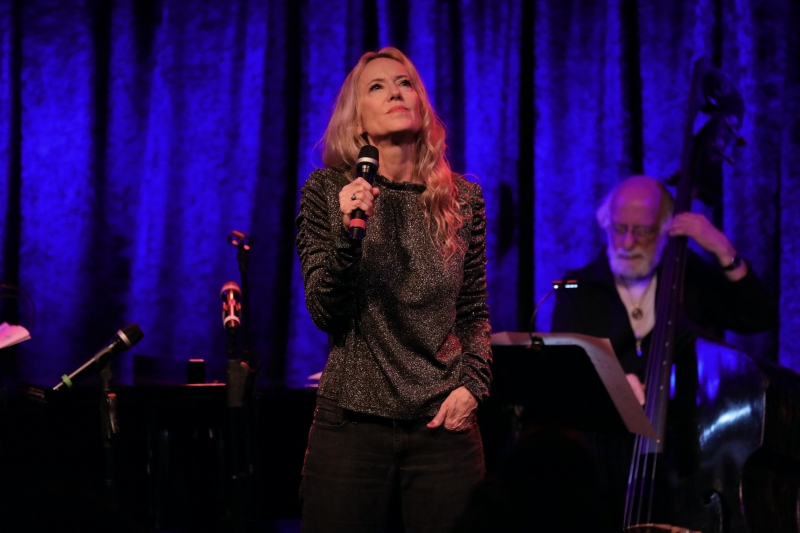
(568, 380)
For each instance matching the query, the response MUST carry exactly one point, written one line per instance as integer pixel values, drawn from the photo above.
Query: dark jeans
(359, 467)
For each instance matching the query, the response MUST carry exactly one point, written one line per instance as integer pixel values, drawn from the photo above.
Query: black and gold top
(404, 328)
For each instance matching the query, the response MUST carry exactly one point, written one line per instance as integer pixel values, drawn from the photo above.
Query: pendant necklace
(641, 321)
(637, 313)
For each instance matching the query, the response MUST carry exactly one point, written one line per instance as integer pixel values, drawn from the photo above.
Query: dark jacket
(711, 304)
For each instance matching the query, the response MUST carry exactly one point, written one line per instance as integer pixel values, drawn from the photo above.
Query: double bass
(728, 459)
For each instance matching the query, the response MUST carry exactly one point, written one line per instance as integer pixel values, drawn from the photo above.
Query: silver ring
(353, 197)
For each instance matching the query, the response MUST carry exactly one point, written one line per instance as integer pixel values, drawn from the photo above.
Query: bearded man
(615, 298)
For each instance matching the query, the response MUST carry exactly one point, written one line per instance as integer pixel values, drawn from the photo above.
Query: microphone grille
(230, 286)
(131, 334)
(368, 152)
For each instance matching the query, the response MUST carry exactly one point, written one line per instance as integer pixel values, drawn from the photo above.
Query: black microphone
(124, 339)
(231, 295)
(366, 167)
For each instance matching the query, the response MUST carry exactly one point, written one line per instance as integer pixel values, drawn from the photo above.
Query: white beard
(641, 266)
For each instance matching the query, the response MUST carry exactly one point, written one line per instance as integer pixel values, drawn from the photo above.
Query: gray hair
(666, 207)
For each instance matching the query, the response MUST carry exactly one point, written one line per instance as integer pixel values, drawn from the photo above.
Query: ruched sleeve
(328, 258)
(472, 311)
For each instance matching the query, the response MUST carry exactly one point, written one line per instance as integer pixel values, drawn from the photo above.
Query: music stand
(568, 380)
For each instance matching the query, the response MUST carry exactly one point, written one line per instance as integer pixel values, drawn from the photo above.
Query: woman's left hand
(456, 412)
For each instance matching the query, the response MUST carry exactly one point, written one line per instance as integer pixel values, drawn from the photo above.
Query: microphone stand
(241, 405)
(536, 345)
(108, 429)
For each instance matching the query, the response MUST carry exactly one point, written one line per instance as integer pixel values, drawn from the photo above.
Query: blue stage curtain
(136, 134)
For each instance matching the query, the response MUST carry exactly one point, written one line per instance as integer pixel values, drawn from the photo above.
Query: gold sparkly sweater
(404, 329)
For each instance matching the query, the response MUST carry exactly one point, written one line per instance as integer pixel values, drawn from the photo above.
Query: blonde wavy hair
(342, 141)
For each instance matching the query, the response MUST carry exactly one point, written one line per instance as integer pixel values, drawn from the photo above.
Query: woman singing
(394, 432)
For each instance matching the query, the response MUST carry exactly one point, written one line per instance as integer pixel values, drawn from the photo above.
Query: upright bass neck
(700, 176)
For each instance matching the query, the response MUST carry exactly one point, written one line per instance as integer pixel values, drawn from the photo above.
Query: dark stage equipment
(172, 458)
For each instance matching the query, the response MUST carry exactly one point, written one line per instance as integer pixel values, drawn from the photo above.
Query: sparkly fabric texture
(404, 329)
